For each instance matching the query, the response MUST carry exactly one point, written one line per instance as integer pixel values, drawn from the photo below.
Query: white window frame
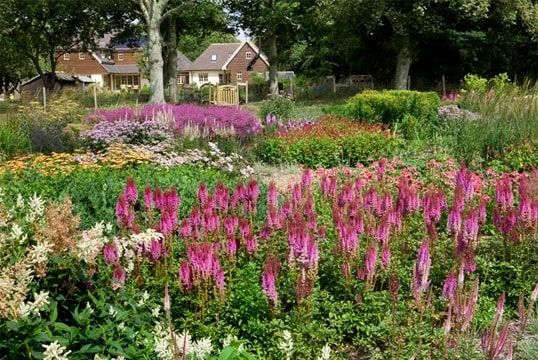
(214, 57)
(121, 56)
(82, 56)
(239, 76)
(67, 56)
(203, 77)
(248, 55)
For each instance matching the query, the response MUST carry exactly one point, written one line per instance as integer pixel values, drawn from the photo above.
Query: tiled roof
(215, 56)
(121, 69)
(183, 62)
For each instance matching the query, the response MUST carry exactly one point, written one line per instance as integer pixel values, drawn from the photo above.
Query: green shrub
(271, 151)
(475, 84)
(280, 106)
(393, 107)
(13, 140)
(366, 147)
(315, 153)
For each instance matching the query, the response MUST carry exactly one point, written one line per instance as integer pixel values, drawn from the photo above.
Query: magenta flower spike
(269, 279)
(185, 276)
(272, 196)
(421, 272)
(203, 194)
(306, 179)
(370, 261)
(155, 250)
(124, 216)
(449, 286)
(149, 202)
(110, 253)
(131, 193)
(385, 256)
(118, 277)
(251, 244)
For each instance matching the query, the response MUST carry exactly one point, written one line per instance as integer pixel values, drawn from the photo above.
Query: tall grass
(14, 140)
(508, 119)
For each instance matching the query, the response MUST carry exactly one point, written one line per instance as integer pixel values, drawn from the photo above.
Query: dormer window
(67, 56)
(248, 55)
(214, 57)
(120, 56)
(81, 56)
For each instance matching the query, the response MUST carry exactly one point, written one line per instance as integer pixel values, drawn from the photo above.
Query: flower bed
(187, 119)
(329, 142)
(389, 262)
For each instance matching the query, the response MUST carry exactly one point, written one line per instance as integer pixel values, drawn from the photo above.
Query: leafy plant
(280, 106)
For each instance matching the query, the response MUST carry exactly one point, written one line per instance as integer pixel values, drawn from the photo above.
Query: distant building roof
(62, 78)
(215, 56)
(121, 69)
(109, 41)
(183, 62)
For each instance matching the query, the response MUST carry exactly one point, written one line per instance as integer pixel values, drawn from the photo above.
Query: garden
(391, 224)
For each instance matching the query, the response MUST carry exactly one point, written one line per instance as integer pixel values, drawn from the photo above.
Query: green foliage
(315, 152)
(395, 107)
(505, 131)
(475, 84)
(13, 140)
(94, 192)
(279, 106)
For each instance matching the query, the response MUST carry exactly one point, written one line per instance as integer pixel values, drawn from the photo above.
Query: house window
(248, 55)
(214, 57)
(120, 56)
(239, 76)
(203, 77)
(67, 56)
(81, 56)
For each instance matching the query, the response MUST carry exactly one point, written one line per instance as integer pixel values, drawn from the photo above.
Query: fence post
(95, 96)
(209, 94)
(246, 93)
(291, 87)
(45, 98)
(444, 85)
(334, 84)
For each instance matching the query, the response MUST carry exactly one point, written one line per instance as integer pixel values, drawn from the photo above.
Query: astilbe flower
(118, 277)
(110, 253)
(149, 202)
(201, 268)
(421, 272)
(269, 279)
(368, 271)
(131, 192)
(495, 344)
(463, 306)
(450, 286)
(124, 213)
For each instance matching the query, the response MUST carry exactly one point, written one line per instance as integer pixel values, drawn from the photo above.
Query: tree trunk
(156, 82)
(273, 64)
(170, 57)
(403, 64)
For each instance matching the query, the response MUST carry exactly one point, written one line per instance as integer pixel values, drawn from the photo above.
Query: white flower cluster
(325, 353)
(36, 207)
(91, 243)
(165, 345)
(286, 345)
(40, 301)
(54, 351)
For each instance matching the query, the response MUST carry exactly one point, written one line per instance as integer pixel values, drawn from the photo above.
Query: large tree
(42, 30)
(405, 28)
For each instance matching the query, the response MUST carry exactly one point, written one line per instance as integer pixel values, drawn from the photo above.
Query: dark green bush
(316, 152)
(393, 106)
(280, 106)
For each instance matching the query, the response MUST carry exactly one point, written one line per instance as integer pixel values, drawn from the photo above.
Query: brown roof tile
(215, 56)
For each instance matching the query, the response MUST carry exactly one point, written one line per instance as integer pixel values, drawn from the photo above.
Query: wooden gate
(226, 95)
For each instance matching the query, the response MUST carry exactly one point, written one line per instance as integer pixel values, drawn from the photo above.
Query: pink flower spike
(149, 202)
(118, 277)
(131, 193)
(110, 253)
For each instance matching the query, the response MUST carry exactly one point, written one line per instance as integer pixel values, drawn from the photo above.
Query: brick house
(228, 63)
(112, 65)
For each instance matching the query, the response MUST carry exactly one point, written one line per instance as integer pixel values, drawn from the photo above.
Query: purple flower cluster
(125, 131)
(207, 120)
